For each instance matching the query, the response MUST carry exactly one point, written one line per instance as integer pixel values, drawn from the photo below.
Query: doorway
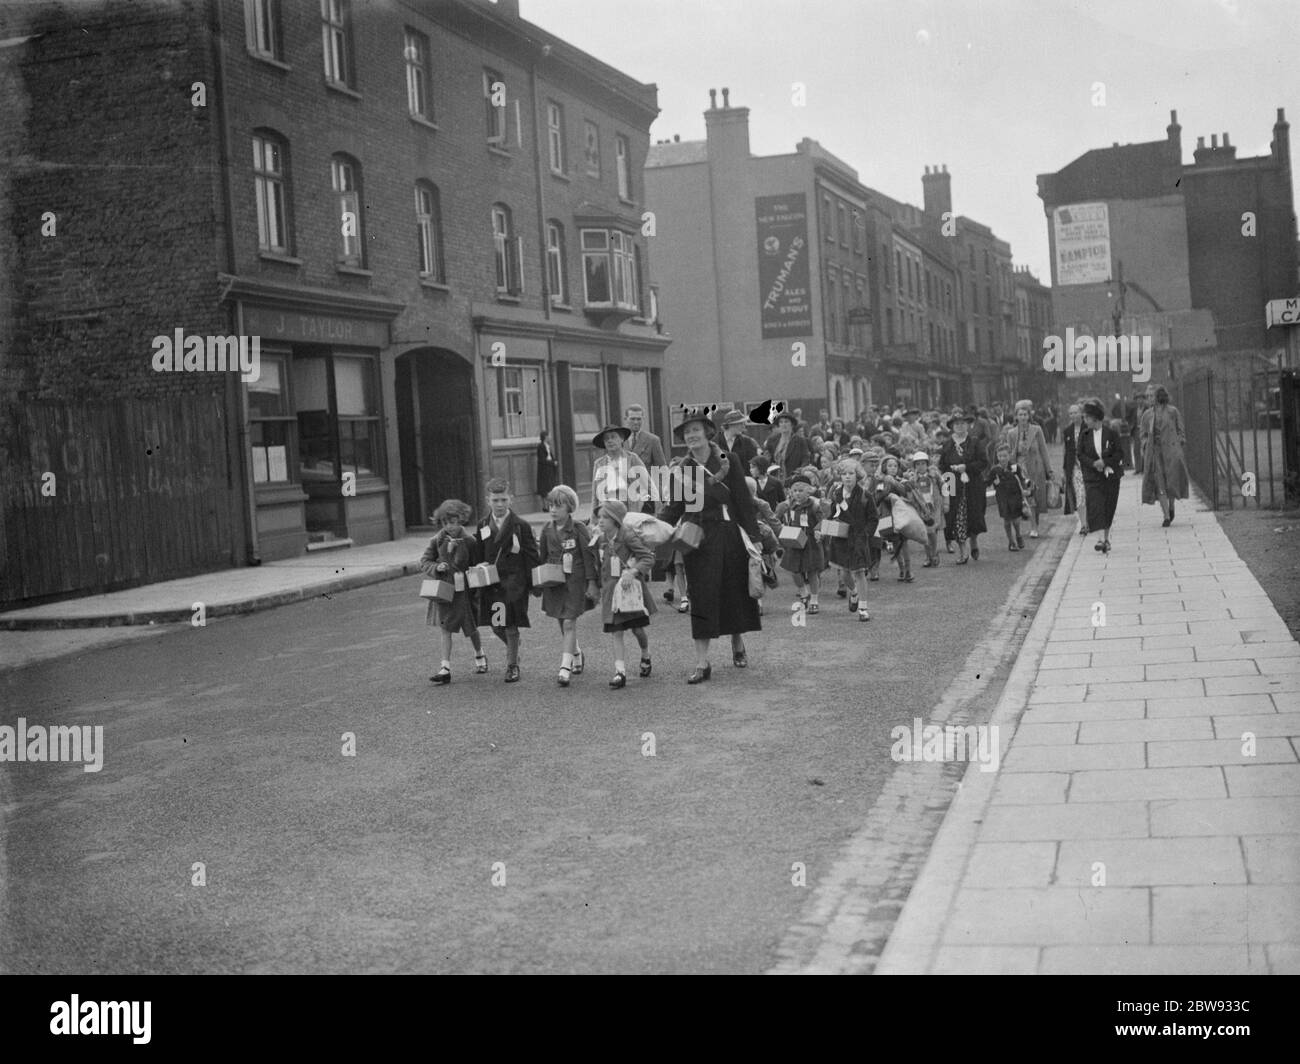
(435, 431)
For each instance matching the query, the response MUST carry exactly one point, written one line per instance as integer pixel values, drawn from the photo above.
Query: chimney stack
(726, 99)
(1282, 140)
(727, 129)
(936, 191)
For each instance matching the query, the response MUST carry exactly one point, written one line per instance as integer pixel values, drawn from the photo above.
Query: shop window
(271, 422)
(338, 417)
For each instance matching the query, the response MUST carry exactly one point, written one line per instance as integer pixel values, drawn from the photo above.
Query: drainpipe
(236, 392)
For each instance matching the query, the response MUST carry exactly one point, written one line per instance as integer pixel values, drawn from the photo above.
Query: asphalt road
(224, 746)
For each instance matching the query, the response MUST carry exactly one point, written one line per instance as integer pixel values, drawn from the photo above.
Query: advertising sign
(1082, 243)
(785, 297)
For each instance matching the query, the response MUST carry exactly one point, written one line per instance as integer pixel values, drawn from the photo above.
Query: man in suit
(645, 445)
(770, 489)
(735, 438)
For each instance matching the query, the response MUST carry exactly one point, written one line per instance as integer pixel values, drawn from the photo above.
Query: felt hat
(734, 417)
(856, 450)
(598, 440)
(786, 415)
(613, 508)
(696, 414)
(800, 478)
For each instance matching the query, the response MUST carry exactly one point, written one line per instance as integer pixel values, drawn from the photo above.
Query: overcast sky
(1000, 90)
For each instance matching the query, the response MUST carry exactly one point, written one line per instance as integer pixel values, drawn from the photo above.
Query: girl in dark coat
(718, 570)
(447, 556)
(1102, 469)
(851, 503)
(964, 458)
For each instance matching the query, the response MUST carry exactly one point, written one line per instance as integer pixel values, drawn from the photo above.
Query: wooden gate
(105, 495)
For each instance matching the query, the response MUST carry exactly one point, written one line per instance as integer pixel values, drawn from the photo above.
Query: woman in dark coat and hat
(717, 571)
(1101, 460)
(963, 457)
(788, 449)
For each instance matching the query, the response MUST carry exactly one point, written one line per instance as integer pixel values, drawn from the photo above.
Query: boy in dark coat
(506, 540)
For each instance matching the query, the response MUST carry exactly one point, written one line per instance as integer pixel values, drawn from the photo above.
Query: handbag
(687, 536)
(1054, 500)
(756, 583)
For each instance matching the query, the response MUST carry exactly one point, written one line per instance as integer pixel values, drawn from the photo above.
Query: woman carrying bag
(717, 571)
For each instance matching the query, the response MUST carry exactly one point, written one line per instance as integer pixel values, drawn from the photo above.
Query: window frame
(555, 137)
(429, 233)
(267, 181)
(419, 75)
(591, 147)
(342, 169)
(508, 253)
(497, 126)
(286, 422)
(623, 166)
(621, 259)
(336, 43)
(556, 274)
(263, 17)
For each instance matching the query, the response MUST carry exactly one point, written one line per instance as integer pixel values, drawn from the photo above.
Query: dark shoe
(975, 553)
(668, 595)
(1105, 547)
(645, 668)
(700, 675)
(902, 577)
(1011, 545)
(853, 603)
(814, 608)
(739, 659)
(577, 663)
(480, 663)
(907, 577)
(442, 676)
(842, 592)
(962, 561)
(512, 674)
(1099, 546)
(1165, 522)
(619, 681)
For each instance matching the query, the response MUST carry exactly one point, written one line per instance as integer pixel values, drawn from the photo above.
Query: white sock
(566, 661)
(446, 664)
(814, 598)
(620, 667)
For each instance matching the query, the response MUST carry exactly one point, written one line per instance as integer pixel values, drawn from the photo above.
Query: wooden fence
(104, 495)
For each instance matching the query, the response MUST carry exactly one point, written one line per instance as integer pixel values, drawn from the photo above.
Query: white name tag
(615, 566)
(803, 520)
(485, 532)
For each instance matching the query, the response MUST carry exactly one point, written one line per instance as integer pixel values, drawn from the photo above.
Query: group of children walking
(610, 569)
(875, 508)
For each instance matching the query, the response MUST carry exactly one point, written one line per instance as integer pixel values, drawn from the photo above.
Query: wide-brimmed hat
(598, 440)
(710, 428)
(968, 418)
(735, 417)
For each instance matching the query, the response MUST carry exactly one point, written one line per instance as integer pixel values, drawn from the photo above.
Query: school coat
(513, 549)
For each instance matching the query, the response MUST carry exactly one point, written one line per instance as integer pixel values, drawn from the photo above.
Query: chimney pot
(726, 98)
(1200, 143)
(1173, 118)
(713, 99)
(1281, 114)
(1225, 140)
(677, 138)
(1214, 140)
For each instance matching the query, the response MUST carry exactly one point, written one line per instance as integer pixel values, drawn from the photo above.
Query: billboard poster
(784, 293)
(1082, 243)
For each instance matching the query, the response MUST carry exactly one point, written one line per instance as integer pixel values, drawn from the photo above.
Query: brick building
(428, 212)
(763, 266)
(1187, 254)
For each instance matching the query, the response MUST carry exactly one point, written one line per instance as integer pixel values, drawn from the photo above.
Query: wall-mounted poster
(784, 293)
(1082, 243)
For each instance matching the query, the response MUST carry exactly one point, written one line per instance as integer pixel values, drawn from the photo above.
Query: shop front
(318, 458)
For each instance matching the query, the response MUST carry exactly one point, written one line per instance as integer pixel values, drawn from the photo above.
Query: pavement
(1146, 815)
